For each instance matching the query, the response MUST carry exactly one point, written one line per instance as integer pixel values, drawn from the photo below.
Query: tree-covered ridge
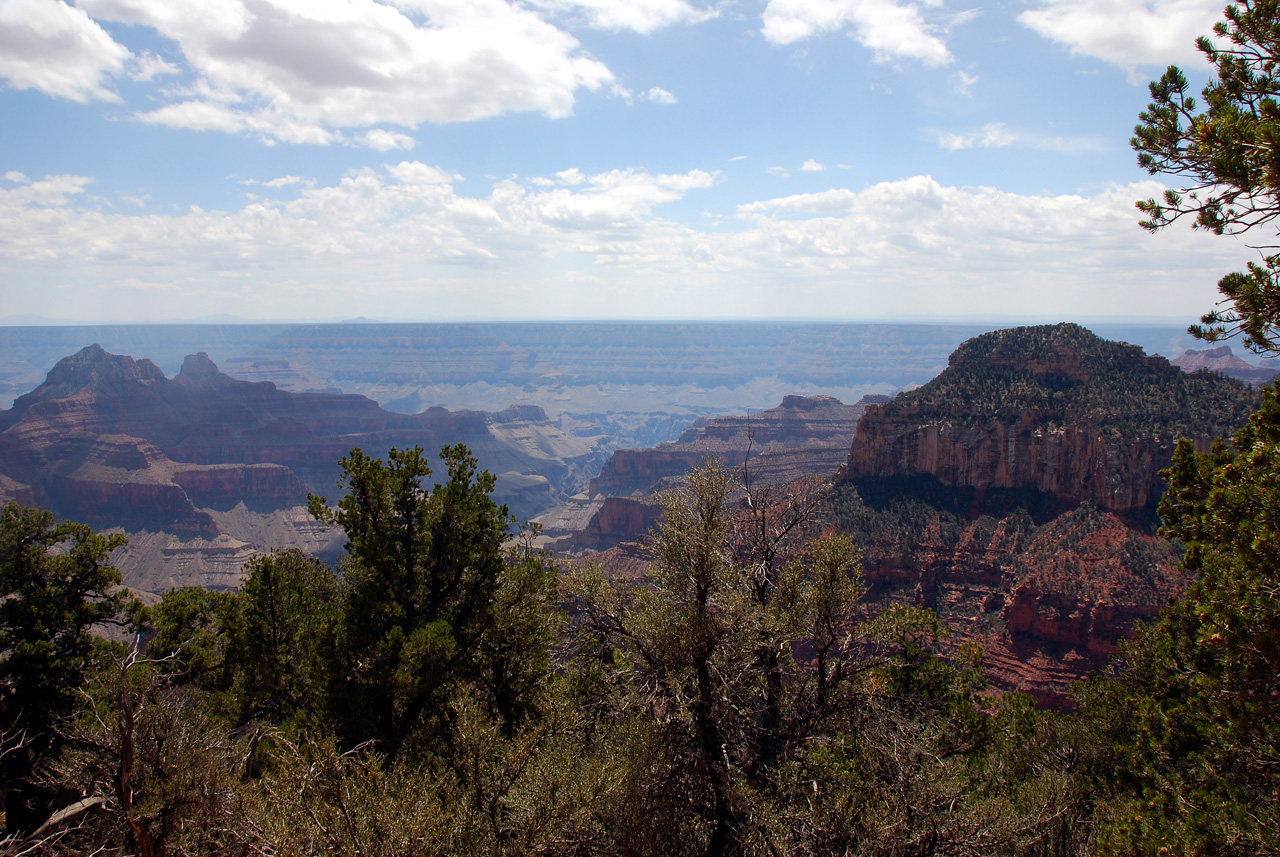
(1060, 375)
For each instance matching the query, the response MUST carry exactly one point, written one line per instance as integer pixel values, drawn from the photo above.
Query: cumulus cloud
(812, 166)
(408, 211)
(1127, 33)
(384, 141)
(658, 95)
(147, 66)
(57, 49)
(312, 72)
(891, 28)
(642, 16)
(390, 237)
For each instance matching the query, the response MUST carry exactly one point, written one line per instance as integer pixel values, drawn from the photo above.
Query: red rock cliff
(1076, 465)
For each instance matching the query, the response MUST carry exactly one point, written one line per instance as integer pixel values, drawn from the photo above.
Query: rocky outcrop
(1221, 360)
(803, 436)
(634, 472)
(1015, 494)
(619, 519)
(111, 441)
(1047, 604)
(261, 487)
(1053, 410)
(1074, 465)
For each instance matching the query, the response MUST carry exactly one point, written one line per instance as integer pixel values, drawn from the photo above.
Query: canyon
(1014, 493)
(208, 466)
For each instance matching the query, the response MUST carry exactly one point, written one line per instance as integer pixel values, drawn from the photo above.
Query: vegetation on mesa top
(1064, 374)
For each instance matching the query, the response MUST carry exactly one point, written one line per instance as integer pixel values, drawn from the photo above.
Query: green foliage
(188, 634)
(55, 584)
(534, 792)
(1194, 718)
(264, 652)
(1063, 375)
(280, 639)
(753, 709)
(1228, 154)
(432, 602)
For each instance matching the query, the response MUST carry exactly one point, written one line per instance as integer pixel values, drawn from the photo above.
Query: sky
(436, 160)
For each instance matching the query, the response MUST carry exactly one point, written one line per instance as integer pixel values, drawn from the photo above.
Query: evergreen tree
(280, 639)
(434, 604)
(1228, 153)
(1194, 716)
(55, 583)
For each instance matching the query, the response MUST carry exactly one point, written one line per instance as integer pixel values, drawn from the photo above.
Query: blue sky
(425, 160)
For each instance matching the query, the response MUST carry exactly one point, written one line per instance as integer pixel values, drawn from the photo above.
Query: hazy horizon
(425, 160)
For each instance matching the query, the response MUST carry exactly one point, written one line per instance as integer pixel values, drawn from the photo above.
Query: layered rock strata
(1015, 494)
(1221, 360)
(1053, 410)
(111, 441)
(803, 436)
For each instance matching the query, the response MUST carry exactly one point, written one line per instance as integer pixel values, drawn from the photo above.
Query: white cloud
(384, 141)
(812, 166)
(408, 211)
(418, 174)
(642, 16)
(782, 172)
(825, 202)
(57, 49)
(571, 176)
(1127, 33)
(891, 28)
(397, 237)
(996, 136)
(965, 82)
(658, 95)
(147, 66)
(307, 72)
(283, 181)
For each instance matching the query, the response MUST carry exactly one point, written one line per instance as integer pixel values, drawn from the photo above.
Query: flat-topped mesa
(804, 435)
(800, 421)
(1053, 410)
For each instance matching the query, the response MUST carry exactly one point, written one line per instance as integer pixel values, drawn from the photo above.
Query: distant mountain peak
(198, 364)
(1068, 351)
(1221, 359)
(93, 366)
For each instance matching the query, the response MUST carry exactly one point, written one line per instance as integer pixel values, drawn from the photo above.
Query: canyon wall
(113, 442)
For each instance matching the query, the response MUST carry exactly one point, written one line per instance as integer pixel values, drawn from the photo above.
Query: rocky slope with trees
(1015, 494)
(745, 696)
(803, 436)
